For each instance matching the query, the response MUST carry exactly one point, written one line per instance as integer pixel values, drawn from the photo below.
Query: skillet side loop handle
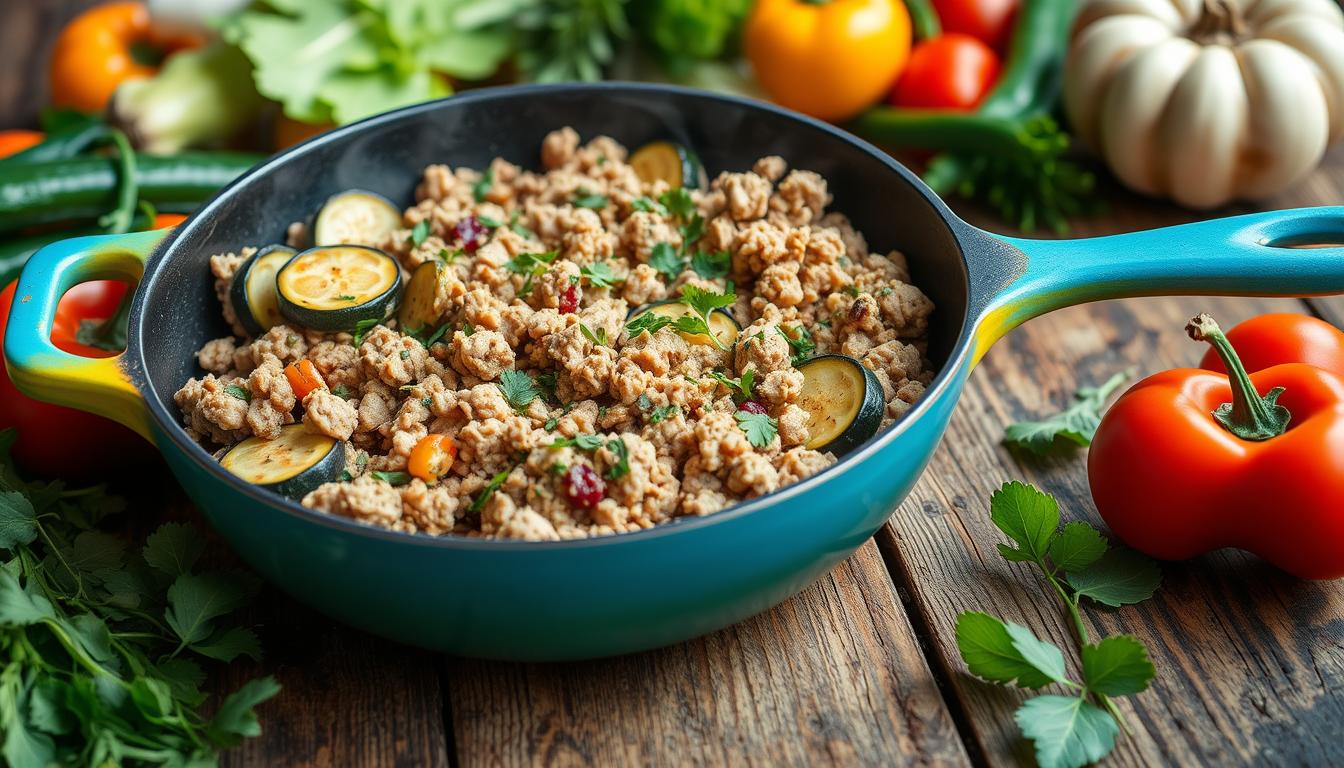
(43, 371)
(1298, 252)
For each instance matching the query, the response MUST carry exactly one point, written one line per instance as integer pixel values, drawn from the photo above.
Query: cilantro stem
(1070, 600)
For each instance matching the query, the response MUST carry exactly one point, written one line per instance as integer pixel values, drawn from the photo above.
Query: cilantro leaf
(702, 303)
(236, 719)
(196, 600)
(647, 205)
(420, 232)
(173, 548)
(230, 643)
(599, 338)
(711, 265)
(1077, 546)
(489, 490)
(599, 274)
(1076, 424)
(678, 202)
(802, 346)
(17, 606)
(666, 260)
(362, 328)
(18, 520)
(649, 321)
(1068, 731)
(241, 393)
(1027, 516)
(526, 263)
(621, 466)
(660, 414)
(760, 428)
(488, 223)
(691, 231)
(1120, 577)
(1117, 666)
(391, 478)
(993, 651)
(739, 388)
(585, 442)
(594, 202)
(482, 187)
(518, 388)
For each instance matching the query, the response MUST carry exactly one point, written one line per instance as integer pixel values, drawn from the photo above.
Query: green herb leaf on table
(236, 719)
(1117, 666)
(1028, 517)
(568, 39)
(665, 259)
(518, 388)
(173, 549)
(760, 428)
(1120, 577)
(1077, 424)
(994, 653)
(1069, 731)
(1076, 546)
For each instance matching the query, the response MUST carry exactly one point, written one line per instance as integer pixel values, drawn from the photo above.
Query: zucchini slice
(252, 293)
(292, 464)
(333, 287)
(720, 322)
(670, 162)
(419, 305)
(843, 400)
(355, 217)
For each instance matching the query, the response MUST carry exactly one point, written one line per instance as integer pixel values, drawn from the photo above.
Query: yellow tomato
(827, 58)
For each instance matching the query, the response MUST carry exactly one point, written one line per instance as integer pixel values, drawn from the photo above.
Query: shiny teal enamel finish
(581, 599)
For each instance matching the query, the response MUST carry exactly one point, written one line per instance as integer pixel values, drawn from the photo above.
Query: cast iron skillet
(565, 600)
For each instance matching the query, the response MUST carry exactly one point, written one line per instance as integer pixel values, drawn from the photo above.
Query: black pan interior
(179, 311)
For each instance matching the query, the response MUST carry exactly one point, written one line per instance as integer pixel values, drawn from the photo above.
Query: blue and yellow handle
(38, 367)
(1277, 253)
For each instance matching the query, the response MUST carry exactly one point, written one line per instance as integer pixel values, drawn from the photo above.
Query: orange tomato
(15, 141)
(103, 47)
(166, 220)
(303, 378)
(827, 58)
(432, 457)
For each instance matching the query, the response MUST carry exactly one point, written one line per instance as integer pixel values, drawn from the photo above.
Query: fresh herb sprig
(102, 642)
(701, 304)
(739, 388)
(801, 345)
(1080, 726)
(519, 389)
(531, 266)
(759, 428)
(1076, 424)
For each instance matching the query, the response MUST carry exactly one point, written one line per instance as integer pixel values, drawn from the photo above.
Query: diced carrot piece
(303, 378)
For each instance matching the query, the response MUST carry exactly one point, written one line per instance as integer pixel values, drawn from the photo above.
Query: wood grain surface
(861, 668)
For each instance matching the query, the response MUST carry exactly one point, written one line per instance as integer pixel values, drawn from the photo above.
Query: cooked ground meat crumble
(645, 418)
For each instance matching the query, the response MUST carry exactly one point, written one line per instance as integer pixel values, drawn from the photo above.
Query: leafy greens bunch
(1079, 726)
(102, 643)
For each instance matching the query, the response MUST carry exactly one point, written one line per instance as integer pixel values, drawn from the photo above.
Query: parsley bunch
(102, 642)
(699, 301)
(1078, 727)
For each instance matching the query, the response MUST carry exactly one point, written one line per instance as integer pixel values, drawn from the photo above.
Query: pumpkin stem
(1220, 24)
(1250, 415)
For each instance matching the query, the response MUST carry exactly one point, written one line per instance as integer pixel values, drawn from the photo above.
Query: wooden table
(862, 667)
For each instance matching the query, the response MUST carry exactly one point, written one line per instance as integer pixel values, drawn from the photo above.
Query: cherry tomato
(989, 21)
(951, 71)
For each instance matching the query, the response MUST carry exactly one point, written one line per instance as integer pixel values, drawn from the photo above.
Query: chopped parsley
(362, 328)
(519, 229)
(701, 303)
(648, 205)
(558, 468)
(468, 329)
(667, 261)
(531, 265)
(649, 321)
(489, 490)
(885, 291)
(546, 382)
(622, 466)
(239, 392)
(759, 428)
(661, 413)
(585, 442)
(518, 388)
(593, 202)
(420, 233)
(739, 388)
(644, 402)
(711, 266)
(488, 222)
(391, 478)
(599, 274)
(341, 391)
(692, 231)
(345, 297)
(405, 354)
(482, 186)
(448, 257)
(851, 289)
(678, 202)
(802, 347)
(430, 340)
(599, 338)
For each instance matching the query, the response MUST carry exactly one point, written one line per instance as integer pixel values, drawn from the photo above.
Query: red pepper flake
(569, 300)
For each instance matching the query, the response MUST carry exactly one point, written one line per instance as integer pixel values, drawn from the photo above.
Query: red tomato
(951, 71)
(989, 21)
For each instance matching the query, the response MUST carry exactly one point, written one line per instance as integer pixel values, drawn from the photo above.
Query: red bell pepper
(1192, 460)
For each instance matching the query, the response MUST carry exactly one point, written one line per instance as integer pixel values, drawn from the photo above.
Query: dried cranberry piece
(753, 406)
(569, 300)
(583, 487)
(471, 232)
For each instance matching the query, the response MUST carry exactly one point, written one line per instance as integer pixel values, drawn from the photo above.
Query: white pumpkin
(1205, 101)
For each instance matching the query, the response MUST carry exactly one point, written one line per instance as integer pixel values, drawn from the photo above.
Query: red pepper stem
(1250, 415)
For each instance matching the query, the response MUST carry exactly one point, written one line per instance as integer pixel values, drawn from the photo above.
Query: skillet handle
(43, 371)
(1297, 252)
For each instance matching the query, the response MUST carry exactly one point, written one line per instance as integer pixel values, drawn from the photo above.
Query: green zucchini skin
(326, 469)
(379, 307)
(871, 407)
(84, 188)
(689, 166)
(238, 297)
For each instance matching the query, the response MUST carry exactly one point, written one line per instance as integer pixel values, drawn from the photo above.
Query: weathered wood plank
(1250, 662)
(833, 676)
